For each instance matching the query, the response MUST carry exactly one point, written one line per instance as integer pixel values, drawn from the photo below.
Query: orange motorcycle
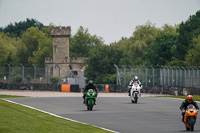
(190, 117)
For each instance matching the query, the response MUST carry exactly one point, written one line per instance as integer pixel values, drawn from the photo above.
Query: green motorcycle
(90, 99)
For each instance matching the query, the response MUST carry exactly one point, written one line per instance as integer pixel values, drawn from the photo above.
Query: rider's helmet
(135, 78)
(90, 82)
(189, 98)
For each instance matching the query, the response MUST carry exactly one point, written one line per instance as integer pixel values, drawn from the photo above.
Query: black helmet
(90, 82)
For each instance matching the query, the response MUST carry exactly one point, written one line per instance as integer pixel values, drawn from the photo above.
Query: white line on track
(178, 99)
(58, 115)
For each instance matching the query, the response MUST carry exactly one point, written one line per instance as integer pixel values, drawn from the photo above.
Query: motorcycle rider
(135, 79)
(90, 85)
(185, 103)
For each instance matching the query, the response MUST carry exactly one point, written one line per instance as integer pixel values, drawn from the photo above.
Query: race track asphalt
(150, 115)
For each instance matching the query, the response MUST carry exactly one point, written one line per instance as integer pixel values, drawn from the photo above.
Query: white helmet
(135, 78)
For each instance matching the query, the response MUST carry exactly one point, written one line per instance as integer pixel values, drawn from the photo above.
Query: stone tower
(61, 44)
(61, 65)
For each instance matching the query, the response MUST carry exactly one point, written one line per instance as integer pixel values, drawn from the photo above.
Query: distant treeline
(29, 42)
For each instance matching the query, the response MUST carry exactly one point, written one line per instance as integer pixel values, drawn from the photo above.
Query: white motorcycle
(135, 92)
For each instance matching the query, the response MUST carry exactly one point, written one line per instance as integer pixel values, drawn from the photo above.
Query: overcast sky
(109, 19)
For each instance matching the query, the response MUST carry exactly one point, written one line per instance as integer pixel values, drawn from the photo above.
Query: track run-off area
(149, 115)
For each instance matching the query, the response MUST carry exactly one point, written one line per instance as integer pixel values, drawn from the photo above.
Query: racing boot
(94, 102)
(183, 114)
(129, 92)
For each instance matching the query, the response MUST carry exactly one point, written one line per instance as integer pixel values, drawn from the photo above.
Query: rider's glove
(183, 111)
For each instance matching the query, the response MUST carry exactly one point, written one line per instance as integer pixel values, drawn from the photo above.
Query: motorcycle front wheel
(187, 128)
(192, 122)
(132, 101)
(136, 98)
(90, 105)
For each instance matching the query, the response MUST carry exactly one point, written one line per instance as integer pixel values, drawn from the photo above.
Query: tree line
(29, 42)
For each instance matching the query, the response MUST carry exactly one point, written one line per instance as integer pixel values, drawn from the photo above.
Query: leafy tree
(123, 44)
(162, 49)
(7, 49)
(82, 42)
(142, 38)
(137, 45)
(17, 29)
(145, 33)
(100, 64)
(187, 31)
(169, 29)
(34, 47)
(193, 56)
(47, 29)
(44, 50)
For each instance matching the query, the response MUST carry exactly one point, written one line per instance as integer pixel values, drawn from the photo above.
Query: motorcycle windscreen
(90, 92)
(191, 106)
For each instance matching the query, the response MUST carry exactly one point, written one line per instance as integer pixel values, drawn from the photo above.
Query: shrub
(28, 77)
(54, 79)
(17, 78)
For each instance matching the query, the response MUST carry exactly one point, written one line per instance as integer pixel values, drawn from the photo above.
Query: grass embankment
(9, 96)
(195, 97)
(18, 119)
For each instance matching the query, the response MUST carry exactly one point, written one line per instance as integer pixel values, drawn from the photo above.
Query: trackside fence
(164, 79)
(166, 76)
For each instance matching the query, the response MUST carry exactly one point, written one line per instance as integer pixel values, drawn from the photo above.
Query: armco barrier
(111, 88)
(65, 88)
(39, 87)
(74, 88)
(118, 88)
(107, 89)
(70, 88)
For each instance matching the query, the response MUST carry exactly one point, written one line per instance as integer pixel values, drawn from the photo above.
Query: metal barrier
(37, 74)
(164, 76)
(179, 76)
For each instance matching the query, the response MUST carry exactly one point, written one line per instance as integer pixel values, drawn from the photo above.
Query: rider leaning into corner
(90, 85)
(185, 103)
(135, 79)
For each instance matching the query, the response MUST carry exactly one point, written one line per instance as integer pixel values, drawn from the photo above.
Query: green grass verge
(18, 119)
(9, 96)
(195, 97)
